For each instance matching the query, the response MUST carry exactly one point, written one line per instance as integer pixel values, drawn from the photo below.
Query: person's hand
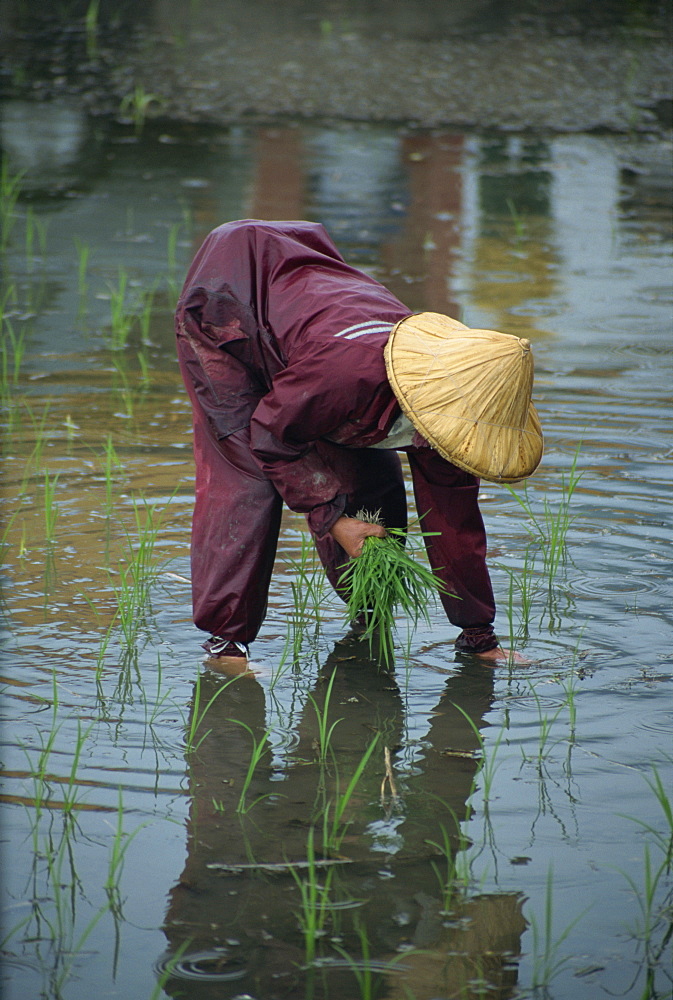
(350, 534)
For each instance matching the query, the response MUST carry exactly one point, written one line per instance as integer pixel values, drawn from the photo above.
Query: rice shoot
(386, 579)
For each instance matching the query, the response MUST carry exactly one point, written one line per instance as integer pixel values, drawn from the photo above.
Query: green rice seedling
(523, 588)
(664, 799)
(385, 577)
(172, 247)
(137, 105)
(550, 529)
(36, 229)
(653, 929)
(448, 881)
(40, 784)
(148, 522)
(120, 844)
(570, 689)
(136, 573)
(333, 829)
(159, 700)
(60, 887)
(144, 313)
(91, 28)
(122, 385)
(315, 899)
(68, 949)
(121, 318)
(370, 973)
(519, 226)
(127, 311)
(131, 594)
(71, 429)
(34, 461)
(308, 593)
(663, 840)
(487, 762)
(198, 714)
(140, 555)
(50, 508)
(547, 963)
(546, 726)
(23, 548)
(509, 609)
(144, 365)
(10, 191)
(259, 748)
(168, 967)
(100, 662)
(9, 296)
(324, 733)
(69, 789)
(13, 348)
(284, 662)
(83, 252)
(40, 787)
(127, 676)
(558, 523)
(5, 544)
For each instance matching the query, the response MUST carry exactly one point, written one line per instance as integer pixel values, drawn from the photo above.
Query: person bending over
(306, 377)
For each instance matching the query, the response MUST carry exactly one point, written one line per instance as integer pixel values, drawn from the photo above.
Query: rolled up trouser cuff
(477, 640)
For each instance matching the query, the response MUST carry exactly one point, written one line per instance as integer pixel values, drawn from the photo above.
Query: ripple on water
(659, 721)
(597, 585)
(214, 966)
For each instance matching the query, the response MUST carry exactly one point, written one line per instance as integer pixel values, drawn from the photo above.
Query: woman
(306, 376)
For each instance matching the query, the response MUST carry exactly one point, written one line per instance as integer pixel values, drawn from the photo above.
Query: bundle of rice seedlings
(386, 579)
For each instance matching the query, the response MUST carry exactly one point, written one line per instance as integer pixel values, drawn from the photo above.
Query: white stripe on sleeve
(360, 327)
(383, 328)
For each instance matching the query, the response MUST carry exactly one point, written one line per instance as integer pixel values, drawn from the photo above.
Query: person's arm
(320, 392)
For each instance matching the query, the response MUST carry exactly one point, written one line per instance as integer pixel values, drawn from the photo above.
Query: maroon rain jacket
(281, 347)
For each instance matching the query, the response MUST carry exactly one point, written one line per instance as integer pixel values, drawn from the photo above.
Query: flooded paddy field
(321, 827)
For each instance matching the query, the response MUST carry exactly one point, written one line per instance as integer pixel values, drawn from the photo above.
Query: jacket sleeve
(268, 321)
(320, 392)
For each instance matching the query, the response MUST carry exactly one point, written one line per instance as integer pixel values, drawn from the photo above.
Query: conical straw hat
(468, 392)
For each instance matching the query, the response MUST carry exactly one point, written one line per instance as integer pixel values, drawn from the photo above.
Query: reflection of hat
(468, 392)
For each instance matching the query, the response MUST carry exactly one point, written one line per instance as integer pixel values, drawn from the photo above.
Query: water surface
(125, 855)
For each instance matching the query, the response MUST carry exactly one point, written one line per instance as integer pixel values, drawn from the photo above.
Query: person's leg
(234, 535)
(373, 479)
(446, 498)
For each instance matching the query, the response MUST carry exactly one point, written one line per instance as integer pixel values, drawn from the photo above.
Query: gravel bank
(523, 81)
(544, 66)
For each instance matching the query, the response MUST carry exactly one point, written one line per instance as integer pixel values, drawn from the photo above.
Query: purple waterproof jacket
(281, 348)
(304, 334)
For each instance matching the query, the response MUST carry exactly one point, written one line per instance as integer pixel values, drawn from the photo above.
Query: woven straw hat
(468, 392)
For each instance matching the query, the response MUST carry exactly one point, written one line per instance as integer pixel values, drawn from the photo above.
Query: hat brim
(496, 451)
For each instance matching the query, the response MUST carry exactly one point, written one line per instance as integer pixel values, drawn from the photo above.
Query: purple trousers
(237, 517)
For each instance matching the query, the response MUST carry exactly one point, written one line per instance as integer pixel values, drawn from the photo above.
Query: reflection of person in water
(237, 906)
(306, 376)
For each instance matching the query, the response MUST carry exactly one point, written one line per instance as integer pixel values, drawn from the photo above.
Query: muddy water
(139, 866)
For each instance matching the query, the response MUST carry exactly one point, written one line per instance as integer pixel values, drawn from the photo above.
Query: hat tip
(524, 343)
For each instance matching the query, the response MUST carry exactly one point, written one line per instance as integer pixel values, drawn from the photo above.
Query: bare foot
(498, 656)
(232, 666)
